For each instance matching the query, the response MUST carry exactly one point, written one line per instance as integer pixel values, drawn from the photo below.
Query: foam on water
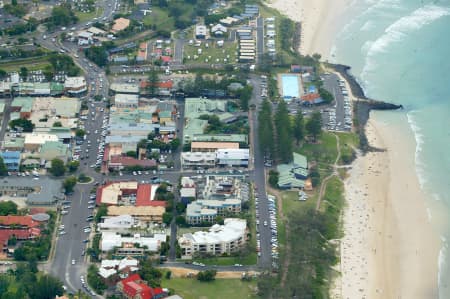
(420, 165)
(442, 262)
(400, 29)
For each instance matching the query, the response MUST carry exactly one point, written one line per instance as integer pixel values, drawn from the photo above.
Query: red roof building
(144, 197)
(310, 97)
(164, 84)
(19, 234)
(17, 222)
(119, 162)
(133, 287)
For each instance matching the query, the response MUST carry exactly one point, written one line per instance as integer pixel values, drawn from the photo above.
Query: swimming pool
(290, 86)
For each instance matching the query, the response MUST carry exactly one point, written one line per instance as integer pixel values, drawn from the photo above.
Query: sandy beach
(321, 20)
(390, 249)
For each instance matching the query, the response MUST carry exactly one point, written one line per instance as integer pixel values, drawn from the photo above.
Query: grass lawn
(249, 259)
(212, 53)
(88, 16)
(347, 141)
(160, 19)
(190, 288)
(32, 63)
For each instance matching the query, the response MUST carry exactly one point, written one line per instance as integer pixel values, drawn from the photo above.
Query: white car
(73, 262)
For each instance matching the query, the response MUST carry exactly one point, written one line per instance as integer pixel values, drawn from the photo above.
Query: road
(258, 177)
(331, 83)
(259, 37)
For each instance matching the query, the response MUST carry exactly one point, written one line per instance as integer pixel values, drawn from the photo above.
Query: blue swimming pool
(290, 86)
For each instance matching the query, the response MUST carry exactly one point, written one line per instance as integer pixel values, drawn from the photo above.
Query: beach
(320, 20)
(390, 249)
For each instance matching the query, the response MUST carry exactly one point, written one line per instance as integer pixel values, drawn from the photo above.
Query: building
(220, 239)
(111, 240)
(233, 157)
(75, 85)
(11, 160)
(125, 143)
(130, 129)
(120, 24)
(294, 174)
(117, 223)
(200, 31)
(126, 100)
(242, 139)
(124, 88)
(112, 267)
(133, 287)
(200, 211)
(115, 193)
(54, 149)
(199, 146)
(34, 141)
(198, 159)
(219, 30)
(145, 214)
(119, 162)
(44, 191)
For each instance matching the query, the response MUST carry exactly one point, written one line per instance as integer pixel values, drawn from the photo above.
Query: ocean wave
(367, 26)
(400, 29)
(418, 135)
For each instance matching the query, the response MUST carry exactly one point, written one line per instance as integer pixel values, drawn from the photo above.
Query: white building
(200, 31)
(111, 267)
(233, 157)
(117, 223)
(206, 210)
(75, 85)
(220, 239)
(126, 100)
(110, 240)
(198, 159)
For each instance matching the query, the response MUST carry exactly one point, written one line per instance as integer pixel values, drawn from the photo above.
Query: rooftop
(232, 229)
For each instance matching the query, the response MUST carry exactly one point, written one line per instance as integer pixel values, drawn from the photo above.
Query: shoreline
(390, 248)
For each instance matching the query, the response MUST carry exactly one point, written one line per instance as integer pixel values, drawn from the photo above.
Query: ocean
(399, 51)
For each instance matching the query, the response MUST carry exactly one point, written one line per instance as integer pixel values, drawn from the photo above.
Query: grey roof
(50, 189)
(40, 217)
(122, 139)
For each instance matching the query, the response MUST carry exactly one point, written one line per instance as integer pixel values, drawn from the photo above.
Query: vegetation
(98, 54)
(101, 212)
(283, 132)
(207, 275)
(94, 280)
(215, 126)
(273, 178)
(3, 169)
(80, 133)
(57, 167)
(27, 282)
(62, 15)
(298, 128)
(150, 274)
(15, 9)
(287, 32)
(314, 125)
(265, 128)
(22, 124)
(8, 208)
(69, 183)
(194, 289)
(72, 166)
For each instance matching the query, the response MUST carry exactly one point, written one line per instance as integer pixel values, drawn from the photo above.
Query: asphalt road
(331, 83)
(265, 260)
(259, 37)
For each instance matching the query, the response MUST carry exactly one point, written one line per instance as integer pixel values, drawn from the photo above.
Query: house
(120, 24)
(200, 211)
(200, 31)
(119, 162)
(219, 30)
(11, 160)
(133, 287)
(294, 174)
(44, 191)
(198, 159)
(75, 85)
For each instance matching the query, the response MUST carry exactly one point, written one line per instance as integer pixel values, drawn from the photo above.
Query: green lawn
(212, 53)
(190, 288)
(32, 63)
(88, 16)
(160, 19)
(347, 141)
(249, 259)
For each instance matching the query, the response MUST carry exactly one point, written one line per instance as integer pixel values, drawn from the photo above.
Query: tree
(47, 287)
(72, 166)
(22, 123)
(23, 73)
(69, 184)
(8, 208)
(80, 133)
(167, 218)
(131, 154)
(3, 168)
(265, 128)
(298, 129)
(180, 220)
(244, 95)
(283, 132)
(314, 125)
(101, 212)
(57, 167)
(153, 80)
(273, 178)
(57, 124)
(94, 280)
(150, 274)
(175, 144)
(326, 96)
(207, 275)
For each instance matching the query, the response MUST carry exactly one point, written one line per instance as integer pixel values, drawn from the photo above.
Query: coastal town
(177, 149)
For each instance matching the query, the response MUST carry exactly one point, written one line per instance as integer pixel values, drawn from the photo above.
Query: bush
(207, 275)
